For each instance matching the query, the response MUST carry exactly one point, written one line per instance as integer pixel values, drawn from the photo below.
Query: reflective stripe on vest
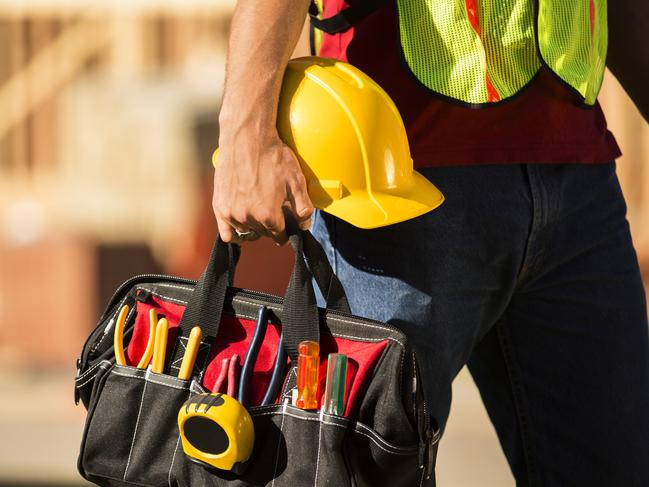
(481, 51)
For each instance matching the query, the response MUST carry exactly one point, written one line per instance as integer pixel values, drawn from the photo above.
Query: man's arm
(256, 172)
(628, 49)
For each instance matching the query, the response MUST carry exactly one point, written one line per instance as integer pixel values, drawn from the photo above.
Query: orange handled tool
(160, 346)
(308, 363)
(189, 358)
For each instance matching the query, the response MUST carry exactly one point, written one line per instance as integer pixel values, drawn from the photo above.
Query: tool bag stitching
(344, 425)
(173, 459)
(137, 422)
(129, 369)
(159, 295)
(153, 381)
(202, 368)
(275, 308)
(287, 382)
(101, 365)
(278, 308)
(202, 346)
(279, 441)
(317, 461)
(376, 438)
(89, 380)
(176, 286)
(387, 447)
(91, 369)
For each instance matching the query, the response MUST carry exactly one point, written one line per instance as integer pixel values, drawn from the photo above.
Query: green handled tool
(334, 395)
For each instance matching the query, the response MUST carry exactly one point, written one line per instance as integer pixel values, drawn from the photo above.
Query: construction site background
(108, 116)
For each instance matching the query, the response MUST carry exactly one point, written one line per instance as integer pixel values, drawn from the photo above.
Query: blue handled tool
(251, 357)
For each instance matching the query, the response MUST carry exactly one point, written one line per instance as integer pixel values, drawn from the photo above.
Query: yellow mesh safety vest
(483, 51)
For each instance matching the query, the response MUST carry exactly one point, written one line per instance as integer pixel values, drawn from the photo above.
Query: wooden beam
(49, 69)
(130, 7)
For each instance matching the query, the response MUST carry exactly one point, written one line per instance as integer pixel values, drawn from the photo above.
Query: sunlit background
(108, 116)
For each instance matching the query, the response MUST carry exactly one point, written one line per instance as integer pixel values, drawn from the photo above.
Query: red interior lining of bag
(234, 336)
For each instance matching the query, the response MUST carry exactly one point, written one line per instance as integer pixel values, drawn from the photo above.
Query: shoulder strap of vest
(346, 18)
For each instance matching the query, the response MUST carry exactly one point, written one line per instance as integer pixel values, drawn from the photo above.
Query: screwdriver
(308, 362)
(334, 395)
(189, 358)
(160, 346)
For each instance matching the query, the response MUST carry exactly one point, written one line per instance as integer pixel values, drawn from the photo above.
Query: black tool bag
(131, 437)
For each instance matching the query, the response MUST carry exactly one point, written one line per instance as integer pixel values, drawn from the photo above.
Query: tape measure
(216, 431)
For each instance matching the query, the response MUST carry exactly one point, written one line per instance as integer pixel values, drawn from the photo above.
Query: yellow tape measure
(216, 431)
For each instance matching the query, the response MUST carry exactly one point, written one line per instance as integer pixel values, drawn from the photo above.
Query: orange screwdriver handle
(308, 363)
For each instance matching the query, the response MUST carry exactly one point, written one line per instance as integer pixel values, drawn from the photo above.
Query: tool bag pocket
(131, 431)
(320, 452)
(131, 438)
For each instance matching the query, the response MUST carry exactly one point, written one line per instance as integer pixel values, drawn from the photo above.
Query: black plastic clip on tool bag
(384, 437)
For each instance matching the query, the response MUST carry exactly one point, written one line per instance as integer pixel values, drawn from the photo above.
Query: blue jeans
(526, 273)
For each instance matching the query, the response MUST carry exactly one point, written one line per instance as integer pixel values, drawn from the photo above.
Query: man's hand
(257, 176)
(253, 181)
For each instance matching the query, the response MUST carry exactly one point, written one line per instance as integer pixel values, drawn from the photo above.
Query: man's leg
(565, 372)
(445, 277)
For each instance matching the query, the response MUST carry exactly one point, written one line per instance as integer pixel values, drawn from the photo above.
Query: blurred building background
(108, 116)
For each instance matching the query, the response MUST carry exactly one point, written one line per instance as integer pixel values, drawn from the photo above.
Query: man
(527, 272)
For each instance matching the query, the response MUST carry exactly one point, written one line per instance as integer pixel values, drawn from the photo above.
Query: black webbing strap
(346, 18)
(300, 319)
(300, 313)
(327, 281)
(206, 302)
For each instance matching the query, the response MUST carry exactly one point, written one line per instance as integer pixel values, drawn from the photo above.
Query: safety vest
(484, 51)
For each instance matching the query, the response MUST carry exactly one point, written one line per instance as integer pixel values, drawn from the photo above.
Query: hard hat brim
(382, 209)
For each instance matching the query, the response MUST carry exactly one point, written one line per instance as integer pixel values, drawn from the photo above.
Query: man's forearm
(263, 35)
(257, 175)
(628, 51)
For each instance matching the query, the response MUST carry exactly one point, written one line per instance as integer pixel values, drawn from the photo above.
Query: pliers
(118, 338)
(251, 357)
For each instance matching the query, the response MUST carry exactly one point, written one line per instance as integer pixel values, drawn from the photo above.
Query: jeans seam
(334, 246)
(530, 259)
(519, 403)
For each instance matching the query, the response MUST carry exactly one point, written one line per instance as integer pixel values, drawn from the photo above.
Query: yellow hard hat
(352, 144)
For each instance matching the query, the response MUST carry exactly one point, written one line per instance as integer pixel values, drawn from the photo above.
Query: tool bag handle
(300, 314)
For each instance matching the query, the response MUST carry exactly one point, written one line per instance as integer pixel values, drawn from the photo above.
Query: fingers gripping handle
(300, 314)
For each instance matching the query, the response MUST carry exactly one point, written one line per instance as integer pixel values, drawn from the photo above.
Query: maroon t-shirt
(544, 123)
